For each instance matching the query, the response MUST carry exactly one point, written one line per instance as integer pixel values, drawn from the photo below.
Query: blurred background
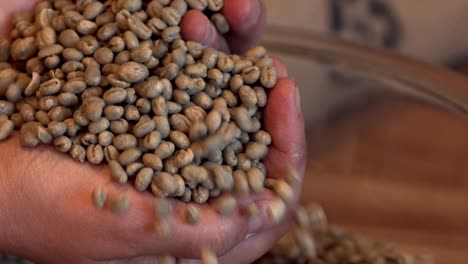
(382, 164)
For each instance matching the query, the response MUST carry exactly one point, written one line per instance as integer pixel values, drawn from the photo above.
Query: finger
(281, 70)
(213, 230)
(247, 21)
(7, 9)
(286, 127)
(254, 247)
(195, 26)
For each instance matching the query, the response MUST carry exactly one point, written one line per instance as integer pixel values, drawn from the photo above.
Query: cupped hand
(47, 195)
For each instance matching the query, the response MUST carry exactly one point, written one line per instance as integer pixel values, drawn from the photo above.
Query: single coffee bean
(133, 168)
(133, 72)
(268, 77)
(129, 156)
(192, 214)
(120, 204)
(95, 154)
(118, 173)
(143, 179)
(225, 205)
(99, 197)
(78, 153)
(124, 141)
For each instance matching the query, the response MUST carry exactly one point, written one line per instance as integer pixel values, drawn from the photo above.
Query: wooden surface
(395, 170)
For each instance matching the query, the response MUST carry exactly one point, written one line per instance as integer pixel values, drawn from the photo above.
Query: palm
(57, 190)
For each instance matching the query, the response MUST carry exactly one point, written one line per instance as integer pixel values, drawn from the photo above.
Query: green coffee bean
(129, 156)
(197, 131)
(276, 210)
(87, 138)
(162, 208)
(104, 56)
(152, 161)
(95, 154)
(5, 46)
(152, 140)
(93, 10)
(192, 214)
(194, 174)
(117, 172)
(111, 153)
(256, 151)
(46, 36)
(171, 16)
(225, 205)
(99, 196)
(208, 256)
(165, 183)
(230, 98)
(256, 179)
(98, 126)
(162, 228)
(120, 204)
(200, 195)
(115, 96)
(170, 34)
(78, 153)
(23, 49)
(133, 72)
(139, 28)
(162, 125)
(179, 139)
(124, 141)
(62, 144)
(87, 45)
(268, 77)
(144, 177)
(6, 128)
(42, 117)
(133, 168)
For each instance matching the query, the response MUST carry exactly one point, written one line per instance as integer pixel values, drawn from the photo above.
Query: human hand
(65, 221)
(247, 23)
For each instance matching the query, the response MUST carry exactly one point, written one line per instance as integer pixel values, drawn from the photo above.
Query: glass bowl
(387, 139)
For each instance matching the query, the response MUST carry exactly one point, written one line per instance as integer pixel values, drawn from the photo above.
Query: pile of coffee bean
(312, 240)
(114, 82)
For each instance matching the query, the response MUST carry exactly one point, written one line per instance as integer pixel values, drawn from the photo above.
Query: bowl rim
(428, 81)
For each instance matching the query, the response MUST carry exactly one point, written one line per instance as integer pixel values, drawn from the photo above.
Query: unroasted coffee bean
(192, 214)
(220, 22)
(143, 179)
(225, 205)
(120, 204)
(62, 144)
(111, 153)
(162, 125)
(98, 126)
(129, 156)
(95, 154)
(268, 77)
(133, 72)
(117, 172)
(23, 49)
(256, 179)
(208, 256)
(133, 168)
(152, 140)
(78, 153)
(6, 128)
(164, 184)
(256, 151)
(113, 112)
(124, 141)
(99, 197)
(170, 34)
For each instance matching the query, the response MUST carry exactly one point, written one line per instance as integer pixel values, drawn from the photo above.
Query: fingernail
(254, 14)
(298, 100)
(249, 236)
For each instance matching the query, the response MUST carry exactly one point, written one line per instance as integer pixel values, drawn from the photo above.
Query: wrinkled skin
(46, 196)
